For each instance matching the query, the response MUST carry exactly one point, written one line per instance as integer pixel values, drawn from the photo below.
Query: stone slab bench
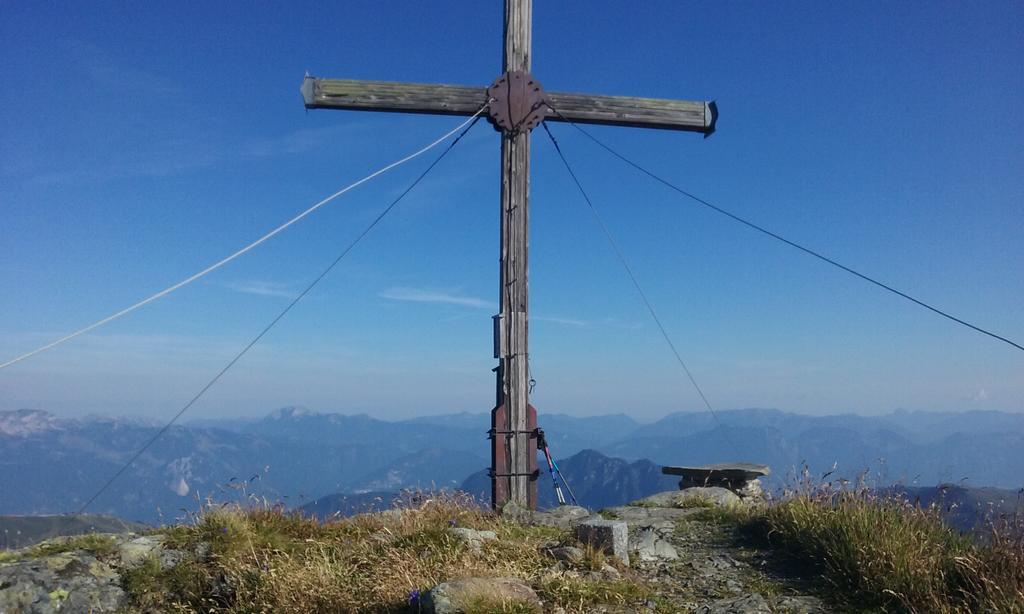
(739, 477)
(740, 472)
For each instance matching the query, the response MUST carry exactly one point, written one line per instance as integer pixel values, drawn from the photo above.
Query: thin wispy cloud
(418, 295)
(260, 288)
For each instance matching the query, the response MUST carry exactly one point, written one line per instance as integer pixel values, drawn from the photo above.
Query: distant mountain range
(597, 481)
(967, 508)
(50, 465)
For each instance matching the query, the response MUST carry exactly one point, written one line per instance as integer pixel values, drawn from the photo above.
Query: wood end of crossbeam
(634, 112)
(710, 117)
(308, 91)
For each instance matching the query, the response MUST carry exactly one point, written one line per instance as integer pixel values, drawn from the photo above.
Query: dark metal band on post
(492, 432)
(533, 474)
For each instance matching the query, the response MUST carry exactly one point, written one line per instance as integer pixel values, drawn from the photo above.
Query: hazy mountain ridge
(295, 455)
(966, 508)
(597, 481)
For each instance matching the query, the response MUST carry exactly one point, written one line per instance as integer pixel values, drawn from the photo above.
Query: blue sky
(142, 142)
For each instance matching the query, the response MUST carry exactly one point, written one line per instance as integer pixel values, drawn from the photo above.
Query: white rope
(245, 249)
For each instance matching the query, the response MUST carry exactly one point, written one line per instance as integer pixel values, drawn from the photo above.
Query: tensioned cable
(263, 239)
(636, 284)
(773, 235)
(472, 121)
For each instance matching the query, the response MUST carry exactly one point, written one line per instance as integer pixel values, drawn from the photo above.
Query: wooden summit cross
(516, 105)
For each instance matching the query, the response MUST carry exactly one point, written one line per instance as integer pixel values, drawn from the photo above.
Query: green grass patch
(99, 545)
(188, 583)
(581, 595)
(889, 555)
(515, 532)
(731, 515)
(694, 502)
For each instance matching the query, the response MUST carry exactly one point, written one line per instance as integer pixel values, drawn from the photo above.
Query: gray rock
(691, 497)
(454, 597)
(644, 516)
(568, 554)
(751, 490)
(802, 604)
(472, 538)
(512, 511)
(712, 566)
(610, 573)
(745, 604)
(611, 536)
(607, 572)
(66, 582)
(562, 517)
(134, 552)
(651, 546)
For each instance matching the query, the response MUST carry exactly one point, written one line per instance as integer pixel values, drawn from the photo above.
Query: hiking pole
(543, 445)
(553, 469)
(567, 487)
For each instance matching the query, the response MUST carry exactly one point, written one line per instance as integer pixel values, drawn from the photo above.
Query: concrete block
(611, 536)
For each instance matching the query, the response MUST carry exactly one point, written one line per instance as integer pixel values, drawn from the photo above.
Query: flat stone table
(734, 476)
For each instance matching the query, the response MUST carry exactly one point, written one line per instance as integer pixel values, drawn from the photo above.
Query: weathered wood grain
(686, 115)
(388, 96)
(514, 287)
(391, 96)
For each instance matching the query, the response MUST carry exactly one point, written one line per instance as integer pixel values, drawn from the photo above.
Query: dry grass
(493, 605)
(264, 560)
(885, 553)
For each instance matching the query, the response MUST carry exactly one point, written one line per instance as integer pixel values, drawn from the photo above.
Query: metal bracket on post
(517, 102)
(499, 336)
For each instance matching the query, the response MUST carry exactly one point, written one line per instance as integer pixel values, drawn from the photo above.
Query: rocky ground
(678, 543)
(681, 544)
(76, 574)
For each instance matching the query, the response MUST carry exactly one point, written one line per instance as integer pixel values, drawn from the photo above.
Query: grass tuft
(697, 502)
(490, 605)
(886, 553)
(581, 595)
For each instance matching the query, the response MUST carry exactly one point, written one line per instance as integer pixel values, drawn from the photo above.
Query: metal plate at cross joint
(516, 102)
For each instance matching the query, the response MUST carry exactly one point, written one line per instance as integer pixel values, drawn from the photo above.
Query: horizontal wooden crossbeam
(389, 96)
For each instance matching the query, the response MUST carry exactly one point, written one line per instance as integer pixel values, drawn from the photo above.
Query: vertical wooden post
(513, 414)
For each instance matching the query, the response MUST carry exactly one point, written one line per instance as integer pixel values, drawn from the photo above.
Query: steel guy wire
(636, 284)
(471, 122)
(779, 237)
(257, 242)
